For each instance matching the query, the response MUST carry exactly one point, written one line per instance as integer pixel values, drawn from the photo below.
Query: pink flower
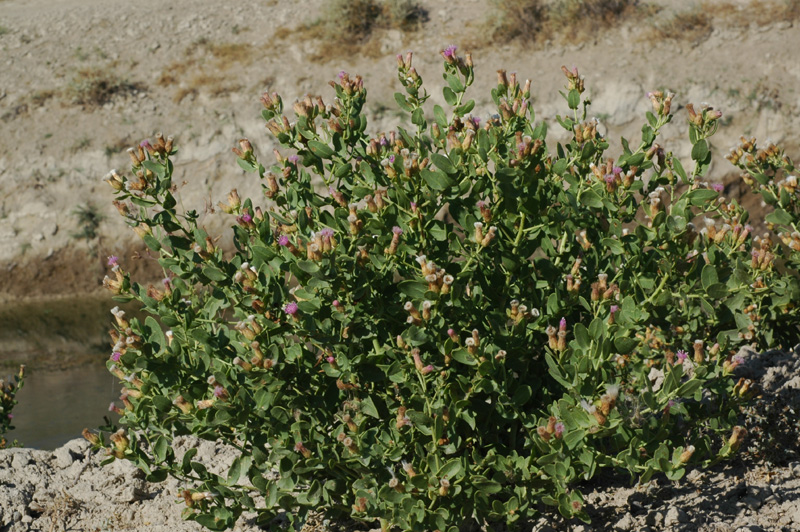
(397, 230)
(719, 187)
(330, 360)
(112, 260)
(290, 308)
(293, 159)
(10, 416)
(682, 355)
(614, 309)
(246, 218)
(283, 240)
(562, 325)
(450, 51)
(559, 429)
(115, 356)
(335, 303)
(326, 232)
(219, 391)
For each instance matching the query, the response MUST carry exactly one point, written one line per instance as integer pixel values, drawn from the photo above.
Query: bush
(8, 392)
(451, 322)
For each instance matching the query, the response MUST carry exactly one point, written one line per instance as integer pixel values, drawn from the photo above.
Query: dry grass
(95, 87)
(349, 27)
(569, 21)
(694, 26)
(199, 70)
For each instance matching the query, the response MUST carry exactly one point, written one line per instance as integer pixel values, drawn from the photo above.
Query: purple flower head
(718, 187)
(480, 204)
(112, 260)
(562, 325)
(614, 309)
(115, 356)
(610, 178)
(476, 120)
(738, 359)
(342, 74)
(335, 303)
(413, 205)
(450, 332)
(617, 170)
(754, 253)
(219, 391)
(112, 407)
(391, 158)
(246, 218)
(283, 240)
(330, 360)
(166, 281)
(682, 355)
(145, 144)
(383, 141)
(326, 232)
(293, 159)
(450, 51)
(521, 147)
(290, 308)
(397, 230)
(748, 228)
(10, 416)
(559, 428)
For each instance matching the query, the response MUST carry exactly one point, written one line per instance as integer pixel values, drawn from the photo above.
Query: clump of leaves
(352, 21)
(449, 322)
(8, 392)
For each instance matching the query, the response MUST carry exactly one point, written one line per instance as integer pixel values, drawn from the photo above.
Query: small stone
(655, 519)
(754, 503)
(16, 517)
(21, 459)
(674, 516)
(626, 523)
(63, 458)
(27, 519)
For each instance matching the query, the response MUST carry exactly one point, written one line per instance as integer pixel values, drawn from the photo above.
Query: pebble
(626, 523)
(63, 458)
(674, 516)
(21, 459)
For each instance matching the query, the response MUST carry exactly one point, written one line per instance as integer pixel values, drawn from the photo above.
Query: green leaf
(449, 96)
(437, 180)
(779, 217)
(613, 245)
(308, 266)
(413, 288)
(590, 198)
(215, 274)
(701, 196)
(418, 116)
(443, 163)
(160, 449)
(581, 335)
(323, 151)
(700, 151)
(463, 356)
(625, 345)
(573, 438)
(486, 486)
(439, 116)
(574, 99)
(451, 469)
(454, 83)
(709, 276)
(402, 102)
(678, 167)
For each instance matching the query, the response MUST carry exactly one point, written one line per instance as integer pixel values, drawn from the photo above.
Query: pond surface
(64, 343)
(56, 405)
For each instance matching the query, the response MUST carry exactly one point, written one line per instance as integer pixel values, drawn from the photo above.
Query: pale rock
(674, 516)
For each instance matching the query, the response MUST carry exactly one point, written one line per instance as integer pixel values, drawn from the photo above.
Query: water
(64, 344)
(55, 406)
